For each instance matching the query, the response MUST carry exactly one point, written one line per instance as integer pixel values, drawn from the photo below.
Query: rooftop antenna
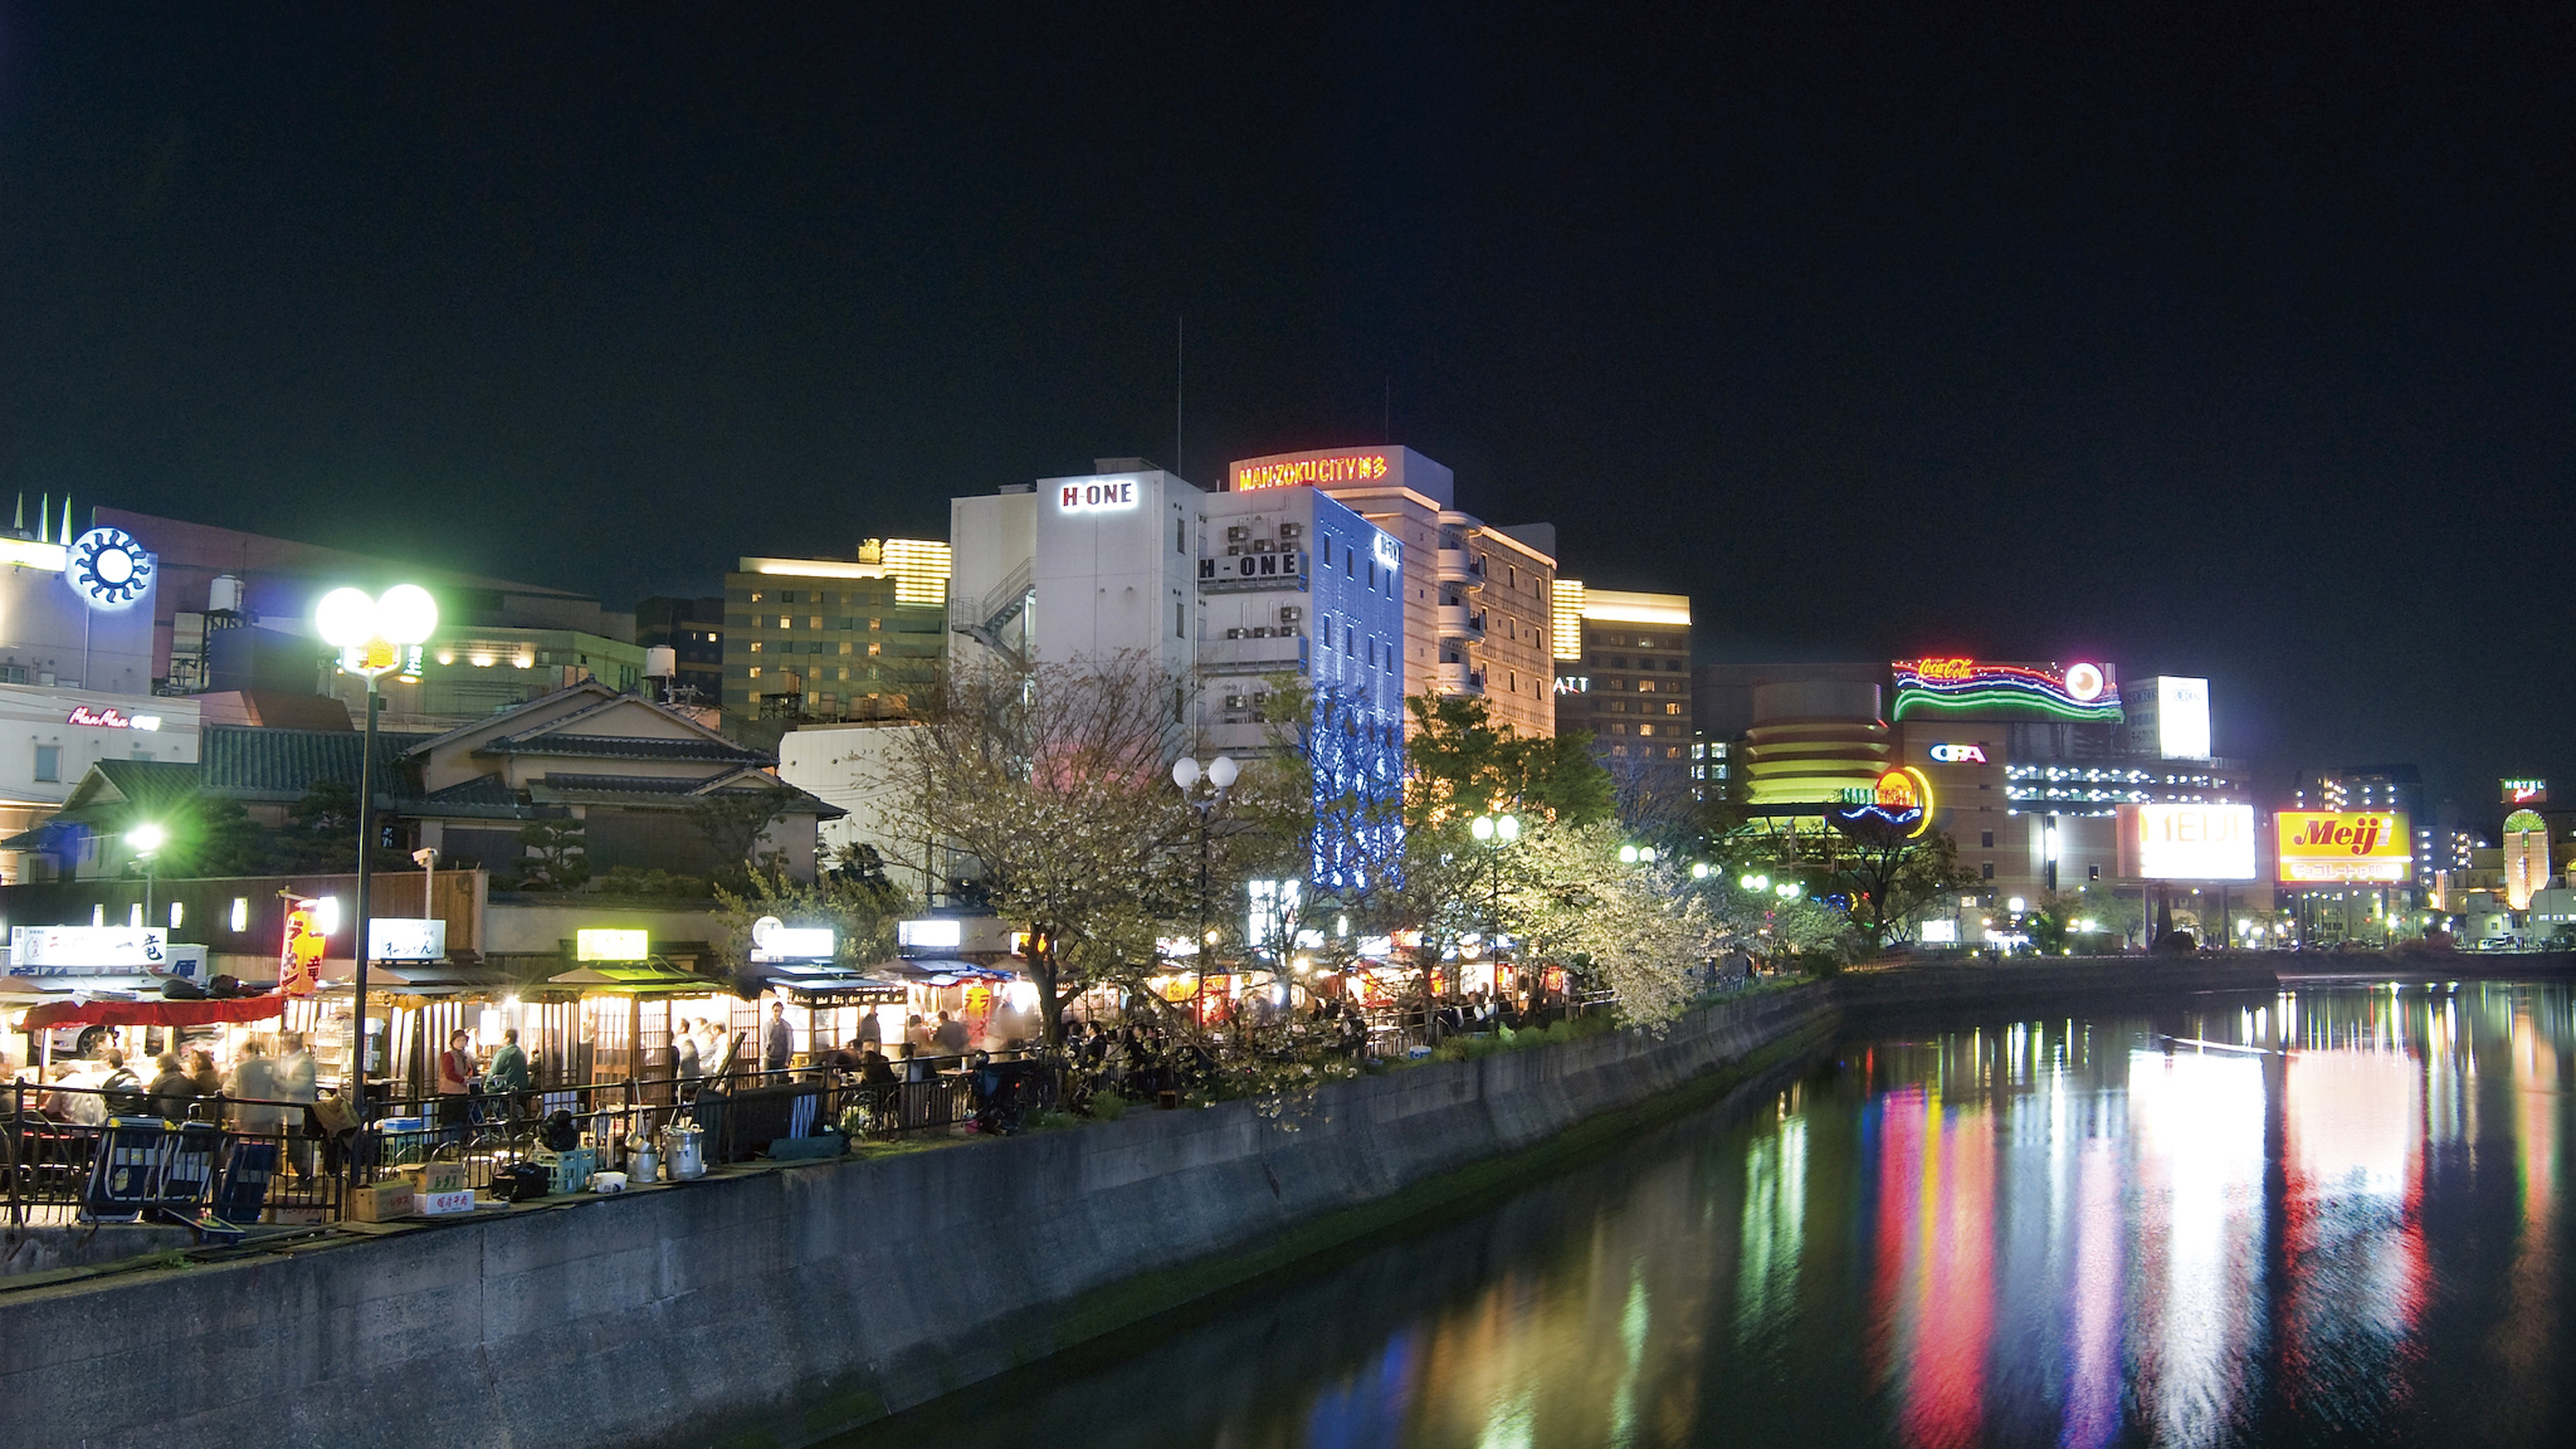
(1180, 357)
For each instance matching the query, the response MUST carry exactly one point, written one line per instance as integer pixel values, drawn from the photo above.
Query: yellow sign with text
(2329, 847)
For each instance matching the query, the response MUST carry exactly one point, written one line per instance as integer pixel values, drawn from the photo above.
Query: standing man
(778, 1042)
(295, 1084)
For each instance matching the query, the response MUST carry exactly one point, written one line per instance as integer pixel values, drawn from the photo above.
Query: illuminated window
(786, 623)
(845, 646)
(755, 671)
(755, 646)
(873, 650)
(1674, 708)
(816, 622)
(755, 596)
(1645, 686)
(241, 913)
(875, 624)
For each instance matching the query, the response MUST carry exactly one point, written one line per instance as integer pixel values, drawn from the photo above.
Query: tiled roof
(485, 797)
(247, 763)
(150, 785)
(621, 748)
(652, 790)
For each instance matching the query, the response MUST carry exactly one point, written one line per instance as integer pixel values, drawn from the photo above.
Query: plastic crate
(572, 1170)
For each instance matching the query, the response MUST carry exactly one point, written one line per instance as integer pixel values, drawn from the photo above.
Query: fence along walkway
(244, 1162)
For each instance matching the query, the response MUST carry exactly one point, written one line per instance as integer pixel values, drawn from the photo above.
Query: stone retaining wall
(779, 1306)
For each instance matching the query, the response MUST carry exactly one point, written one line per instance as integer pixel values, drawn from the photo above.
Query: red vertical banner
(299, 960)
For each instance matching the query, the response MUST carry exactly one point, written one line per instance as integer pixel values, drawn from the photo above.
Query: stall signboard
(2334, 847)
(774, 940)
(611, 943)
(407, 938)
(88, 950)
(2186, 842)
(299, 956)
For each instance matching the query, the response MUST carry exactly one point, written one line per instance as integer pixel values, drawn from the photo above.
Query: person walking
(253, 1088)
(295, 1083)
(685, 1043)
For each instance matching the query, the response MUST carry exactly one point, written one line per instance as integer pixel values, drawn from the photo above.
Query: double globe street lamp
(373, 635)
(1219, 776)
(1494, 832)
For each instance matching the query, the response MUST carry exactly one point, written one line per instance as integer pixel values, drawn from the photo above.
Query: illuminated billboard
(2526, 858)
(1314, 470)
(2186, 842)
(2182, 718)
(2331, 847)
(611, 943)
(2525, 792)
(1951, 685)
(1901, 798)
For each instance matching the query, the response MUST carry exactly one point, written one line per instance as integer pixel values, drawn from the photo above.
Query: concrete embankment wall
(2025, 981)
(776, 1307)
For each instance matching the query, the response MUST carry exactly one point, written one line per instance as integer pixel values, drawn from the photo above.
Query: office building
(824, 638)
(1478, 600)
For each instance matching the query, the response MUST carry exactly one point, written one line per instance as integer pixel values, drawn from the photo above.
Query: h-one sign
(1096, 495)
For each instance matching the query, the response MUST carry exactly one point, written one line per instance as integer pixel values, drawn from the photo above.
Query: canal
(2331, 1216)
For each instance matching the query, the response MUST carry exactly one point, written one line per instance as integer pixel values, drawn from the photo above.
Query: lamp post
(1219, 775)
(1494, 832)
(146, 840)
(371, 635)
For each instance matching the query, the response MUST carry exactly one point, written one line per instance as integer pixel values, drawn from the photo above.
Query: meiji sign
(1097, 496)
(2322, 846)
(2187, 842)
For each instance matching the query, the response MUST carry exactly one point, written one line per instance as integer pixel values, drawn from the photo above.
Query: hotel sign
(111, 718)
(2326, 847)
(2526, 792)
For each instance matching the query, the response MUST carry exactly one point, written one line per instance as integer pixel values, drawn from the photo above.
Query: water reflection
(2332, 1216)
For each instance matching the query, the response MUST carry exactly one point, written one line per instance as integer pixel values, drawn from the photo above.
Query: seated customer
(874, 1069)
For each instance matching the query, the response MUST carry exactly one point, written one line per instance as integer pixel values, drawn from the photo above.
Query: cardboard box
(437, 1177)
(383, 1202)
(435, 1204)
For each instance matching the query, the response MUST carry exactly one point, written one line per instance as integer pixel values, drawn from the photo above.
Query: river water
(2332, 1216)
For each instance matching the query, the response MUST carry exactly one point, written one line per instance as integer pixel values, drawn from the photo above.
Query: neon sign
(2526, 792)
(111, 718)
(1101, 496)
(109, 568)
(1952, 685)
(1312, 472)
(1959, 754)
(1902, 798)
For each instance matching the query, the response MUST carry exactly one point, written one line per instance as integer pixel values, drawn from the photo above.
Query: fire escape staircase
(983, 619)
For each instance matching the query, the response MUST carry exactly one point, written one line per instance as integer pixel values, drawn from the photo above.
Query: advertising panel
(299, 954)
(87, 950)
(2329, 847)
(1979, 689)
(2186, 842)
(2182, 718)
(2525, 792)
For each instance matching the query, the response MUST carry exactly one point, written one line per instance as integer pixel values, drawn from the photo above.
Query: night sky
(2233, 340)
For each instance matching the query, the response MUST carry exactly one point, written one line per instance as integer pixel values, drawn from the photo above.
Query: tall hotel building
(1623, 664)
(1476, 599)
(823, 638)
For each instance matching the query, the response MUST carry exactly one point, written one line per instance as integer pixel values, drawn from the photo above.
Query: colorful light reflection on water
(2334, 1216)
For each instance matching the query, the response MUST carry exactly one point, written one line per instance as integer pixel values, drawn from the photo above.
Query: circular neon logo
(110, 568)
(2084, 682)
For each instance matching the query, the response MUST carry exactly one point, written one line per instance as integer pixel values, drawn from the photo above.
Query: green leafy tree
(1463, 763)
(732, 822)
(861, 912)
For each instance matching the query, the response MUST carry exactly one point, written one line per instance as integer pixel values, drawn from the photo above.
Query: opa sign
(1959, 754)
(1097, 496)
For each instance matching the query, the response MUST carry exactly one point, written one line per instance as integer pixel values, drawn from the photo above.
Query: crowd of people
(267, 1090)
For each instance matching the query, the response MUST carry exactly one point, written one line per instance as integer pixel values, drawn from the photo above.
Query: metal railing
(261, 1160)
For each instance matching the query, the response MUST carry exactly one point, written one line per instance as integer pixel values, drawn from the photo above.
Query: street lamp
(1494, 832)
(1219, 775)
(146, 841)
(372, 635)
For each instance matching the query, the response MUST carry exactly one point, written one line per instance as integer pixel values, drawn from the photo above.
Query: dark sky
(2233, 340)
